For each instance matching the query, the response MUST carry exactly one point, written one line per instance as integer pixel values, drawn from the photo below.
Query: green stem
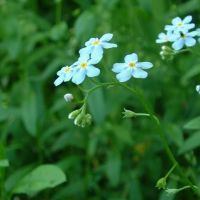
(147, 107)
(58, 11)
(170, 171)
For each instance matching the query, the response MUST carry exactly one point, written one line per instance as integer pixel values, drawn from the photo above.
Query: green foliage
(44, 176)
(114, 158)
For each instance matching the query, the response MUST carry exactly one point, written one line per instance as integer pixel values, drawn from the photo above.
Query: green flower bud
(167, 53)
(74, 114)
(161, 183)
(128, 113)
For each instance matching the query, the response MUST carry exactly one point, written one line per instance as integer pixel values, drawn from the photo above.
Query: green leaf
(97, 106)
(194, 124)
(191, 143)
(42, 177)
(85, 25)
(113, 168)
(58, 31)
(29, 113)
(4, 163)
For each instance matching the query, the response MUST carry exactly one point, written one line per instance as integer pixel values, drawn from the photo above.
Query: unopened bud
(128, 113)
(74, 114)
(68, 97)
(161, 183)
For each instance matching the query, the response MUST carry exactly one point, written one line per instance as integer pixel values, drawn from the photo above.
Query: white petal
(107, 45)
(139, 73)
(176, 20)
(118, 67)
(97, 53)
(79, 76)
(106, 37)
(177, 45)
(187, 19)
(92, 71)
(144, 65)
(192, 34)
(131, 58)
(85, 50)
(84, 56)
(169, 27)
(89, 42)
(124, 75)
(68, 76)
(58, 81)
(189, 41)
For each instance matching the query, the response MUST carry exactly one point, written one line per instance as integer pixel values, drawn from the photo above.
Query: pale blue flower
(95, 46)
(84, 67)
(64, 74)
(166, 37)
(130, 68)
(185, 38)
(179, 25)
(198, 88)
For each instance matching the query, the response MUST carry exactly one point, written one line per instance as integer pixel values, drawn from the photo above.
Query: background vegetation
(115, 158)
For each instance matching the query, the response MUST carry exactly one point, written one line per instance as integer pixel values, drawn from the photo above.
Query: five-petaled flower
(84, 67)
(179, 33)
(64, 74)
(185, 38)
(130, 68)
(95, 46)
(180, 25)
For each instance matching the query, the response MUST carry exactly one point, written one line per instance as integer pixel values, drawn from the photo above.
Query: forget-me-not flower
(198, 88)
(185, 38)
(166, 37)
(84, 67)
(130, 68)
(95, 46)
(64, 74)
(180, 25)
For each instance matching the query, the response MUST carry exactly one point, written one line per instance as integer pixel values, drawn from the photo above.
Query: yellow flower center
(96, 42)
(180, 24)
(83, 65)
(132, 64)
(67, 69)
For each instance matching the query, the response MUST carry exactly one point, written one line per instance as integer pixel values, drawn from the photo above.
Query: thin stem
(171, 170)
(58, 11)
(147, 107)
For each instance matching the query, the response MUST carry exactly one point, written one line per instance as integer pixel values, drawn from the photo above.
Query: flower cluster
(90, 55)
(179, 33)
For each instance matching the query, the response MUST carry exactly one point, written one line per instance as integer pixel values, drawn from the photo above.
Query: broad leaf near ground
(40, 178)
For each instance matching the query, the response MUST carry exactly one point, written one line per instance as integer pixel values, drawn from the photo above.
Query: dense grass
(114, 158)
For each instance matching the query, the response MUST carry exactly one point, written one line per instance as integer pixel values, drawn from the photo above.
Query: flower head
(180, 25)
(95, 46)
(64, 74)
(166, 37)
(68, 97)
(84, 67)
(130, 68)
(184, 38)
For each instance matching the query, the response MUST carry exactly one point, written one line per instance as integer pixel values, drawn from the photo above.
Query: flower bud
(74, 114)
(161, 183)
(68, 97)
(128, 113)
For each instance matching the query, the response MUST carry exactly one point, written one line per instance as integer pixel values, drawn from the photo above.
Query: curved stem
(148, 108)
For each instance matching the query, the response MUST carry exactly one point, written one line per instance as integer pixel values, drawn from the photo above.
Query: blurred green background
(114, 158)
